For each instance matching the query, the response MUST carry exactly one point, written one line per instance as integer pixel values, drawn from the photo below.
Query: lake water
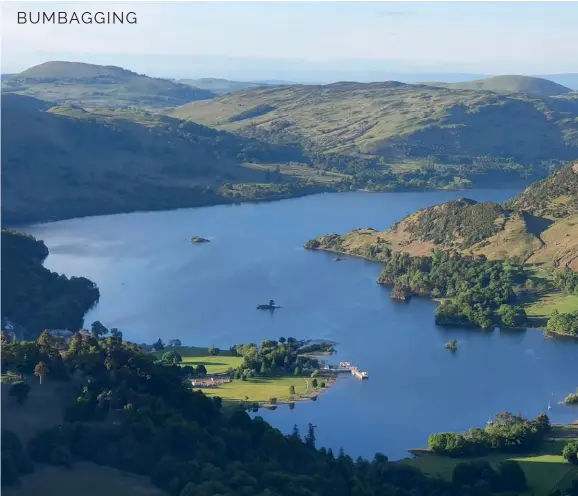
(155, 283)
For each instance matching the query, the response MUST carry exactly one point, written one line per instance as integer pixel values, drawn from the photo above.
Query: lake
(155, 283)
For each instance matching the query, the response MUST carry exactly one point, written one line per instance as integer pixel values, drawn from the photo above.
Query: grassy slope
(66, 162)
(545, 470)
(540, 226)
(514, 84)
(399, 121)
(98, 86)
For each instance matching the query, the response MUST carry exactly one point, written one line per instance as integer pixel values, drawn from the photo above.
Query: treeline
(566, 280)
(35, 298)
(479, 292)
(273, 357)
(134, 413)
(507, 433)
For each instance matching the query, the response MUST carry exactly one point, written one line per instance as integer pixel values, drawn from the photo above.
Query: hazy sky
(512, 37)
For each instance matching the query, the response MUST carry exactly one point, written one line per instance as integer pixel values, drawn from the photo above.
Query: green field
(261, 389)
(215, 364)
(550, 302)
(545, 470)
(84, 479)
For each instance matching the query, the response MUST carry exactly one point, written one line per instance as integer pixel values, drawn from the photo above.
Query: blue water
(155, 283)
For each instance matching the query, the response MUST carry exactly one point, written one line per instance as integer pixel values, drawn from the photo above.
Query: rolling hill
(65, 161)
(222, 86)
(100, 86)
(538, 226)
(514, 84)
(377, 126)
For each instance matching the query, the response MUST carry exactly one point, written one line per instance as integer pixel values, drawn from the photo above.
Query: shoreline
(547, 334)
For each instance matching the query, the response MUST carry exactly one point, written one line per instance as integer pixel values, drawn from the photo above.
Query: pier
(347, 367)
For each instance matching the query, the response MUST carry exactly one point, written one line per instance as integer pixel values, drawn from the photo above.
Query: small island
(452, 345)
(338, 259)
(270, 306)
(198, 239)
(572, 398)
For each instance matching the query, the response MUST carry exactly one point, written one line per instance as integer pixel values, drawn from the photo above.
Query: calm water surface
(155, 283)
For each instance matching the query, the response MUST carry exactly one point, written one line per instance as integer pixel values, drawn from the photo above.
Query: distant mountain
(568, 80)
(65, 161)
(223, 86)
(538, 226)
(100, 86)
(362, 128)
(514, 84)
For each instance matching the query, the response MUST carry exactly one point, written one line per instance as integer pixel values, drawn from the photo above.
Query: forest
(33, 297)
(135, 413)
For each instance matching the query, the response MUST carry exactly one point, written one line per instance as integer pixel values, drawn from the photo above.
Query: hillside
(538, 226)
(65, 161)
(35, 298)
(568, 80)
(375, 128)
(222, 86)
(514, 84)
(100, 86)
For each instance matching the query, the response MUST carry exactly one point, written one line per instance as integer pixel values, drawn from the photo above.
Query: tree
(201, 369)
(282, 339)
(295, 434)
(570, 452)
(512, 477)
(213, 351)
(310, 437)
(297, 371)
(314, 383)
(291, 390)
(159, 345)
(171, 357)
(41, 370)
(20, 391)
(98, 330)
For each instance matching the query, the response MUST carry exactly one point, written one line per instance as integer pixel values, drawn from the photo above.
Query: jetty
(359, 374)
(347, 367)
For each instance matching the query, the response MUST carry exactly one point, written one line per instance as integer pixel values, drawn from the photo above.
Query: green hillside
(378, 127)
(100, 86)
(68, 162)
(514, 84)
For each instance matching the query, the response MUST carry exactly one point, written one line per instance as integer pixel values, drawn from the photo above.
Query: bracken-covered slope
(514, 84)
(401, 123)
(538, 226)
(100, 86)
(64, 161)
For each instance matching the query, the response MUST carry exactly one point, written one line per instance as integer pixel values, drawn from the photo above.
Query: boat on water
(270, 306)
(358, 374)
(338, 259)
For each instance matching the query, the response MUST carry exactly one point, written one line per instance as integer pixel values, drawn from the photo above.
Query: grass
(215, 364)
(86, 479)
(549, 302)
(261, 389)
(546, 469)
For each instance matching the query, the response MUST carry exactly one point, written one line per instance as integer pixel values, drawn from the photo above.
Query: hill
(373, 129)
(65, 161)
(223, 86)
(100, 86)
(514, 84)
(538, 226)
(33, 297)
(568, 80)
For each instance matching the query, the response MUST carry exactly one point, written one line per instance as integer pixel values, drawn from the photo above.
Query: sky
(273, 40)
